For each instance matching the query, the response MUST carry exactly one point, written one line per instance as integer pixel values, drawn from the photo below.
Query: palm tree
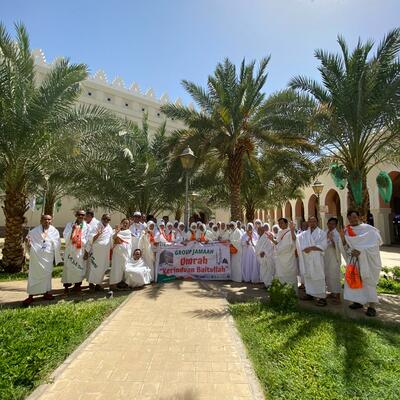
(32, 117)
(228, 121)
(357, 108)
(127, 172)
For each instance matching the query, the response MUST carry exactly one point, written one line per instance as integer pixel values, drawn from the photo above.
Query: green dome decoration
(339, 175)
(385, 186)
(355, 182)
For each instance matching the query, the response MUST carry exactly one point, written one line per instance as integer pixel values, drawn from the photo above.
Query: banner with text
(209, 261)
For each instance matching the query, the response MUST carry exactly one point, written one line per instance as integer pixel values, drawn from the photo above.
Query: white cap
(137, 214)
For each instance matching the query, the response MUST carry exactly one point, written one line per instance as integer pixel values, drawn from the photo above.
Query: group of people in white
(308, 258)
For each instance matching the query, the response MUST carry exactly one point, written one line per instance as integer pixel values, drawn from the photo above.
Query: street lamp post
(318, 187)
(187, 160)
(46, 178)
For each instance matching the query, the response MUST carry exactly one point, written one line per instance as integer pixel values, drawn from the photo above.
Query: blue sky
(156, 43)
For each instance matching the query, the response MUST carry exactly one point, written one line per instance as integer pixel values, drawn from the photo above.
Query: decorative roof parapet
(118, 83)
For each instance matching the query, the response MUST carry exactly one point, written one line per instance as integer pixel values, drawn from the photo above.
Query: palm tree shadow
(188, 394)
(211, 313)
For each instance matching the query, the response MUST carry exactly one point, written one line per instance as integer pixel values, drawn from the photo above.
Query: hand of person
(262, 254)
(329, 235)
(307, 250)
(355, 253)
(86, 255)
(341, 233)
(117, 228)
(291, 226)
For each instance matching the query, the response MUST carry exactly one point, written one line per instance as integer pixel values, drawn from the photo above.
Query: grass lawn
(34, 341)
(310, 355)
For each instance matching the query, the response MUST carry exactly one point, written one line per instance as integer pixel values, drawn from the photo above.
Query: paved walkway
(171, 341)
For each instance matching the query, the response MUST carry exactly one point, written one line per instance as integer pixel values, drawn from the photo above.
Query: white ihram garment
(74, 264)
(267, 264)
(120, 256)
(136, 231)
(312, 263)
(285, 259)
(367, 242)
(250, 267)
(100, 257)
(92, 225)
(137, 273)
(44, 252)
(236, 259)
(332, 261)
(148, 250)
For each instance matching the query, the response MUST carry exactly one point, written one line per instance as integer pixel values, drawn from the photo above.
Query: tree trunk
(250, 212)
(178, 214)
(235, 174)
(49, 203)
(15, 206)
(364, 207)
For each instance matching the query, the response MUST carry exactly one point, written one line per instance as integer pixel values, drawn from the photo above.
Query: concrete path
(171, 341)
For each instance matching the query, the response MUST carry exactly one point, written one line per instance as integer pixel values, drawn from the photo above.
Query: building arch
(333, 206)
(312, 206)
(299, 210)
(279, 213)
(288, 211)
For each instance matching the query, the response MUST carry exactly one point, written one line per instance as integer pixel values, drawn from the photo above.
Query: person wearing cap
(180, 236)
(136, 229)
(101, 242)
(76, 235)
(235, 237)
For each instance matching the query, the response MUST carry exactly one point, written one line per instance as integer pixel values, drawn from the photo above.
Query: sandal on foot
(355, 306)
(27, 302)
(48, 296)
(321, 303)
(371, 312)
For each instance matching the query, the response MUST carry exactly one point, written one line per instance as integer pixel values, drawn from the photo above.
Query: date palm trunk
(15, 206)
(49, 203)
(250, 212)
(235, 174)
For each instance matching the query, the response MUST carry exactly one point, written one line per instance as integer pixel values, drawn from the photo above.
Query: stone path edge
(41, 389)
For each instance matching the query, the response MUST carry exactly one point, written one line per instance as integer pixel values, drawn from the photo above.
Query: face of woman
(354, 219)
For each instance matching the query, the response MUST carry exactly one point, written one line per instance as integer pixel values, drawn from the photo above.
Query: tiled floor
(173, 341)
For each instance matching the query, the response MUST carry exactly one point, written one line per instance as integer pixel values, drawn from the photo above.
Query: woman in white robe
(235, 237)
(363, 242)
(101, 242)
(121, 252)
(148, 246)
(76, 235)
(201, 236)
(180, 235)
(285, 259)
(137, 273)
(44, 249)
(223, 233)
(250, 267)
(191, 235)
(265, 257)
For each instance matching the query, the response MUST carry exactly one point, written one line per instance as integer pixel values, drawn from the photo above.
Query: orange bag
(233, 249)
(352, 274)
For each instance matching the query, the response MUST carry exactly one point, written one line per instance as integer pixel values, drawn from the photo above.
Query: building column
(382, 221)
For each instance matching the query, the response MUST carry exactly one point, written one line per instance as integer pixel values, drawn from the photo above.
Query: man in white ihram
(362, 241)
(285, 259)
(101, 242)
(136, 229)
(265, 256)
(311, 245)
(44, 248)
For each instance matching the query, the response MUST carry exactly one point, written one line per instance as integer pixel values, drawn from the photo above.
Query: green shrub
(282, 296)
(396, 273)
